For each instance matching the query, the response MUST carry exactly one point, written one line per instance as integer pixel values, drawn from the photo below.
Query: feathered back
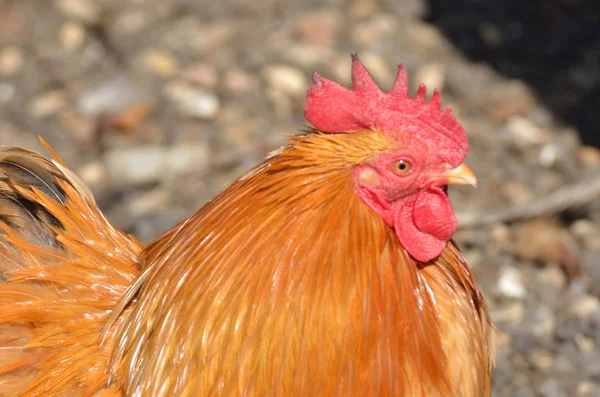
(62, 267)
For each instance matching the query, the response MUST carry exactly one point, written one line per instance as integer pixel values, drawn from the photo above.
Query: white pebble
(147, 164)
(94, 174)
(193, 101)
(548, 155)
(71, 35)
(137, 165)
(111, 96)
(524, 131)
(433, 75)
(11, 61)
(510, 283)
(47, 104)
(585, 305)
(286, 79)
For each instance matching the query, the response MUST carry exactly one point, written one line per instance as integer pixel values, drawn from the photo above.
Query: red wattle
(433, 214)
(425, 226)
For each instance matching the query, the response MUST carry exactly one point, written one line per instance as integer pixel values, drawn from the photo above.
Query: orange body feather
(285, 284)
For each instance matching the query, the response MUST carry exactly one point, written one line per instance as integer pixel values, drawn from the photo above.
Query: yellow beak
(461, 175)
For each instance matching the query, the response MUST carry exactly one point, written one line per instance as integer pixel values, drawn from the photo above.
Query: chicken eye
(402, 166)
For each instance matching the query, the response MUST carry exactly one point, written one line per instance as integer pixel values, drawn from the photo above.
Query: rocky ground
(158, 105)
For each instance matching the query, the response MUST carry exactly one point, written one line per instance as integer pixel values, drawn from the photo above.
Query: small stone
(584, 343)
(136, 165)
(81, 129)
(506, 99)
(552, 387)
(433, 75)
(11, 61)
(238, 134)
(577, 287)
(516, 192)
(160, 63)
(150, 202)
(503, 339)
(72, 35)
(319, 28)
(187, 158)
(308, 56)
(588, 232)
(587, 388)
(564, 364)
(94, 174)
(541, 359)
(584, 306)
(549, 155)
(237, 81)
(286, 79)
(86, 11)
(364, 8)
(510, 283)
(583, 228)
(129, 22)
(368, 33)
(552, 276)
(7, 92)
(152, 163)
(589, 156)
(472, 80)
(202, 74)
(543, 323)
(47, 104)
(186, 34)
(524, 132)
(423, 35)
(217, 34)
(110, 96)
(341, 72)
(406, 10)
(543, 240)
(282, 103)
(511, 314)
(193, 101)
(500, 233)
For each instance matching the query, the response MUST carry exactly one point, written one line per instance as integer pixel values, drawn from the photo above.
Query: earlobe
(369, 177)
(368, 181)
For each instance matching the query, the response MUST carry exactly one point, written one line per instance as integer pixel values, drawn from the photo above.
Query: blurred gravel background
(159, 104)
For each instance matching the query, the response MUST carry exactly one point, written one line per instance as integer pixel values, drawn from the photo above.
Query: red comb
(332, 108)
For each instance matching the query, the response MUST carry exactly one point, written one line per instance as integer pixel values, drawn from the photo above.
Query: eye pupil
(403, 166)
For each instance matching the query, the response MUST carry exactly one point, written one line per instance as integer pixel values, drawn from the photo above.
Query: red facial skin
(414, 203)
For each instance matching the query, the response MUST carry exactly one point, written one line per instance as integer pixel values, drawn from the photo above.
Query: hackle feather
(62, 267)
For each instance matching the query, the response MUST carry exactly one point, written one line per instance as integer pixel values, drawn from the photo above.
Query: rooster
(326, 270)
